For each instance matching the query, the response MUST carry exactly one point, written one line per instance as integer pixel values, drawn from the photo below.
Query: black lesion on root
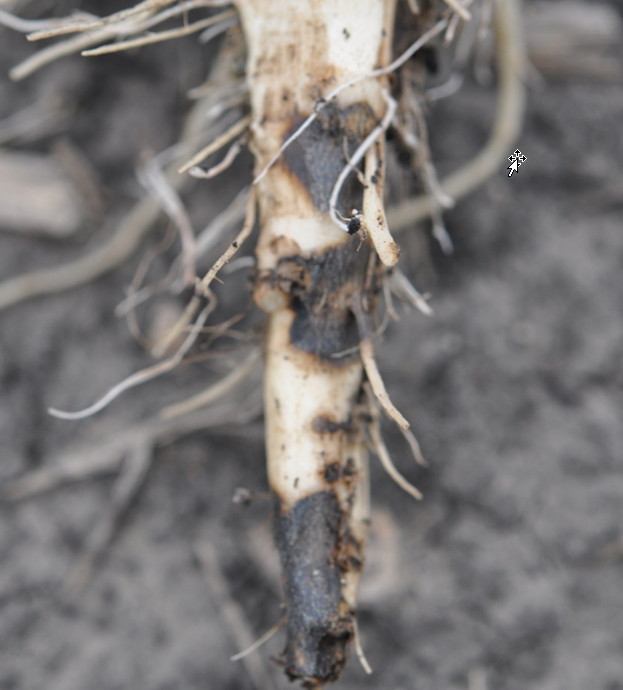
(320, 289)
(317, 157)
(332, 472)
(308, 537)
(325, 425)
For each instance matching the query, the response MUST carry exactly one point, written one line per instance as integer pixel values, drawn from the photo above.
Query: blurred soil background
(507, 576)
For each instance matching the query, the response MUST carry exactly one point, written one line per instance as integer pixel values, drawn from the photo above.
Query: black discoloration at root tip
(308, 539)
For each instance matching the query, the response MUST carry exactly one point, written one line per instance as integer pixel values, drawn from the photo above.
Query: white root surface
(297, 390)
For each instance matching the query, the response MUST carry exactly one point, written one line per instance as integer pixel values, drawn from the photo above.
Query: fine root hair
(380, 449)
(510, 60)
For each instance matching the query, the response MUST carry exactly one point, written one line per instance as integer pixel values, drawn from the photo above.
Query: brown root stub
(318, 628)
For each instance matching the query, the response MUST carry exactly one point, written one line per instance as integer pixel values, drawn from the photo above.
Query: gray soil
(507, 576)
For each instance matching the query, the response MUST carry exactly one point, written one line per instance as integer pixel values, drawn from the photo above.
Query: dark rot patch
(317, 157)
(319, 291)
(324, 324)
(355, 563)
(332, 472)
(350, 470)
(308, 539)
(324, 425)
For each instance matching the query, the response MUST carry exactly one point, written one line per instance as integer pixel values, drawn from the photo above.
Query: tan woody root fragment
(374, 221)
(367, 355)
(381, 450)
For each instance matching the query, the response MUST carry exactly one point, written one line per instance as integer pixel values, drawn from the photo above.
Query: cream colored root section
(285, 235)
(297, 390)
(294, 47)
